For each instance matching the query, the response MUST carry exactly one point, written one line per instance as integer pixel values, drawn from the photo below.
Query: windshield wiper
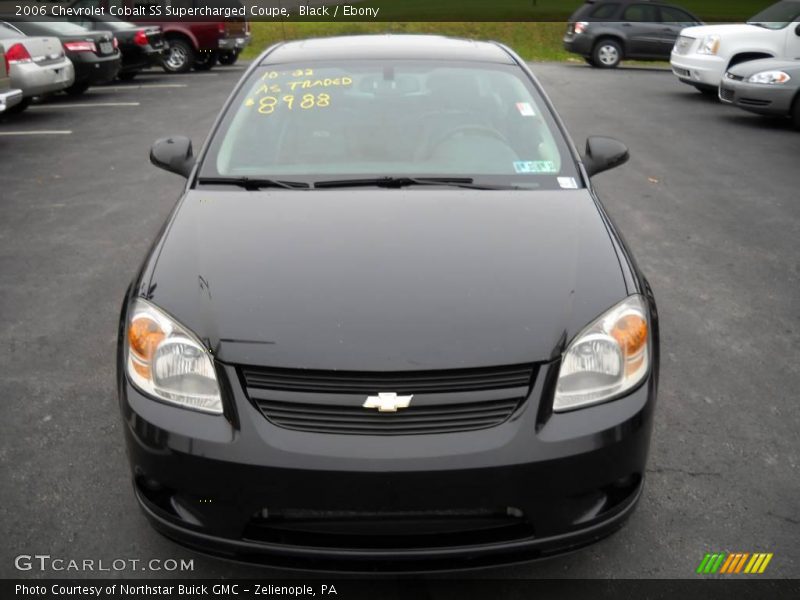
(249, 183)
(398, 182)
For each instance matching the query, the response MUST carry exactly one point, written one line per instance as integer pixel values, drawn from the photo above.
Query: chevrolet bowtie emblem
(387, 402)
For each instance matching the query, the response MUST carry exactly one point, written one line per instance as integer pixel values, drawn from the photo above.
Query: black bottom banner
(391, 588)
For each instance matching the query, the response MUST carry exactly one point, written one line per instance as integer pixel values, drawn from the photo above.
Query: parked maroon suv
(191, 43)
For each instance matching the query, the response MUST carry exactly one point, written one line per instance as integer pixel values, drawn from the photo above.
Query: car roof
(387, 47)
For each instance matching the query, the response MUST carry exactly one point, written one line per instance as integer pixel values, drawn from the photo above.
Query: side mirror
(173, 154)
(604, 153)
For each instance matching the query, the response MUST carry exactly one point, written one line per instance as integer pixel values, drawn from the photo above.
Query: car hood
(751, 67)
(375, 279)
(731, 29)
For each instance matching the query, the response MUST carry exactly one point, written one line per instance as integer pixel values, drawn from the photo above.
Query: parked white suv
(701, 55)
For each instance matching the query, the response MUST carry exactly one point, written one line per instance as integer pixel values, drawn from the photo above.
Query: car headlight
(709, 45)
(166, 361)
(609, 357)
(770, 78)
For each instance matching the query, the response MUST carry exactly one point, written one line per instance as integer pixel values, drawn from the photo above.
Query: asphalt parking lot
(709, 204)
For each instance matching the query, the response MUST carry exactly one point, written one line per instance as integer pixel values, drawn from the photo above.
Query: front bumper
(9, 99)
(234, 43)
(700, 70)
(239, 486)
(758, 98)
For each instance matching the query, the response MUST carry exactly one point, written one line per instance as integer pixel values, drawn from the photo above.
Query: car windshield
(778, 15)
(358, 120)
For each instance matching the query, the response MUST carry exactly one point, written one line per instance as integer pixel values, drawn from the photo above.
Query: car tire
(589, 61)
(179, 56)
(607, 54)
(796, 113)
(228, 58)
(17, 108)
(128, 75)
(77, 89)
(205, 61)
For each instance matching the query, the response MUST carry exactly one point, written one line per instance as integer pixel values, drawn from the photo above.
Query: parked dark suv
(605, 32)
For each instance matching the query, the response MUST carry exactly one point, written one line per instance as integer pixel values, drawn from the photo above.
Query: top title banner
(362, 10)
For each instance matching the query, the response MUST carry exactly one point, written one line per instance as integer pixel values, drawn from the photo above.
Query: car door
(640, 22)
(673, 20)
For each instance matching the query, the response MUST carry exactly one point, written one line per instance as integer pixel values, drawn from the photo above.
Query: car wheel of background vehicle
(796, 112)
(17, 108)
(76, 89)
(589, 61)
(128, 76)
(205, 61)
(607, 54)
(179, 56)
(228, 58)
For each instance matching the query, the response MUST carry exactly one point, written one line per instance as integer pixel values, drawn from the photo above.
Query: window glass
(673, 15)
(604, 11)
(778, 15)
(640, 13)
(8, 33)
(375, 118)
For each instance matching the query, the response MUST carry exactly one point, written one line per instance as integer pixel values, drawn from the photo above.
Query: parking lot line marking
(83, 105)
(122, 88)
(42, 132)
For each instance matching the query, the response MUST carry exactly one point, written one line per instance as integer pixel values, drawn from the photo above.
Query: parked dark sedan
(94, 54)
(388, 320)
(605, 32)
(141, 46)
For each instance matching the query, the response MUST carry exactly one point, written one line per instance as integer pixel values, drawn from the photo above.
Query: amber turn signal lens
(144, 335)
(630, 331)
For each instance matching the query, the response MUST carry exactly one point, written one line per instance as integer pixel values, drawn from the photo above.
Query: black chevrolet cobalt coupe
(388, 323)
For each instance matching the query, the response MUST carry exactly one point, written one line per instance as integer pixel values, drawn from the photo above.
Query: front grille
(725, 94)
(443, 401)
(357, 420)
(401, 382)
(389, 529)
(754, 102)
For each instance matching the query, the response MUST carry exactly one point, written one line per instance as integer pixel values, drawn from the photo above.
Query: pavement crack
(685, 472)
(783, 518)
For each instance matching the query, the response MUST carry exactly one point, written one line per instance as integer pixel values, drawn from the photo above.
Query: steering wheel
(480, 130)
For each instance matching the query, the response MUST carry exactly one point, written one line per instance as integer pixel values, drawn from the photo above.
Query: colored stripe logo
(734, 563)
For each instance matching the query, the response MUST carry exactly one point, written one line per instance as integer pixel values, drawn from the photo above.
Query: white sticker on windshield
(568, 183)
(535, 166)
(525, 109)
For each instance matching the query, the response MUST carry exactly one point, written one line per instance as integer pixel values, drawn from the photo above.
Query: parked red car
(191, 44)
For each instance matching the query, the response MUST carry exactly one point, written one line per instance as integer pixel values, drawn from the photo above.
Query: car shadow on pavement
(753, 121)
